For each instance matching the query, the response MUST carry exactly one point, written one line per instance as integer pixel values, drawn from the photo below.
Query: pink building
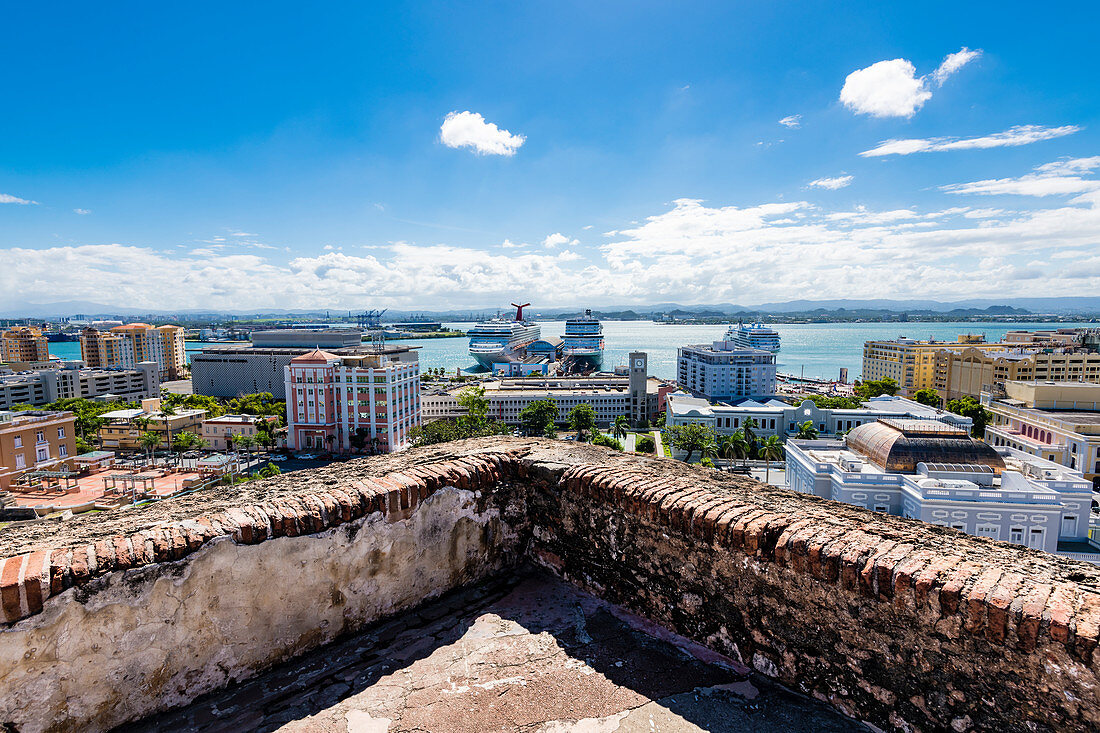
(364, 402)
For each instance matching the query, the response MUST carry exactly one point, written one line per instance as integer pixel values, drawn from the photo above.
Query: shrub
(607, 441)
(645, 444)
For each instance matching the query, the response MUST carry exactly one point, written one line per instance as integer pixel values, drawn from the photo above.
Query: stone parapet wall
(899, 623)
(120, 628)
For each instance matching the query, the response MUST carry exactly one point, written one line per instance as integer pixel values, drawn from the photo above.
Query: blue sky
(286, 155)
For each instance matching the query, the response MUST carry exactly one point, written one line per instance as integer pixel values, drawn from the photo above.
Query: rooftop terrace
(360, 597)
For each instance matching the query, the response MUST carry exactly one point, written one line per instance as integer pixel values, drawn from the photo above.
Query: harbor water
(818, 350)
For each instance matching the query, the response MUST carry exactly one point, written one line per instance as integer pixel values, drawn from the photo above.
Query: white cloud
(241, 234)
(792, 121)
(690, 252)
(893, 89)
(1012, 137)
(1059, 177)
(509, 244)
(469, 129)
(831, 183)
(557, 239)
(953, 63)
(9, 199)
(82, 212)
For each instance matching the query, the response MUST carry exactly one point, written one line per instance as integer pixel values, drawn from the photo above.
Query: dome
(899, 445)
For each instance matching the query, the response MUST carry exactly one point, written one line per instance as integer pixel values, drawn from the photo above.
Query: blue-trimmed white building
(725, 371)
(935, 472)
(776, 417)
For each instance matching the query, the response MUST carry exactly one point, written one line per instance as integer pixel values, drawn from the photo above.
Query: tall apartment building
(23, 344)
(339, 403)
(913, 363)
(42, 386)
(1055, 421)
(970, 371)
(725, 371)
(125, 346)
(34, 440)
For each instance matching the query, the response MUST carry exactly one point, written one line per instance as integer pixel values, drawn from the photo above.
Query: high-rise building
(726, 371)
(367, 402)
(23, 344)
(125, 346)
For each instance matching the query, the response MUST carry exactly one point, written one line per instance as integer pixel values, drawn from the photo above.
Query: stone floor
(519, 654)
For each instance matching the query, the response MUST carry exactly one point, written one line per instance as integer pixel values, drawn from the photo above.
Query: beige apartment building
(1056, 421)
(219, 431)
(23, 344)
(123, 428)
(916, 364)
(35, 440)
(969, 371)
(128, 345)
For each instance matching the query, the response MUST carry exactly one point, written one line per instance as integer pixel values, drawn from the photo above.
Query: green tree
(771, 450)
(828, 402)
(748, 429)
(606, 441)
(477, 407)
(710, 449)
(807, 431)
(970, 407)
(869, 388)
(620, 426)
(444, 431)
(83, 446)
(582, 418)
(690, 438)
(927, 397)
(734, 446)
(539, 418)
(645, 444)
(149, 441)
(186, 441)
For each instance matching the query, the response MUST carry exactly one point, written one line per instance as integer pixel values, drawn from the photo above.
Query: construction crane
(371, 318)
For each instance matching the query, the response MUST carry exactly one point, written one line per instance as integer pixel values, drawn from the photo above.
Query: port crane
(371, 318)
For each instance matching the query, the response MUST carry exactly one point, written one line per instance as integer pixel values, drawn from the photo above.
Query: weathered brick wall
(905, 625)
(113, 630)
(895, 622)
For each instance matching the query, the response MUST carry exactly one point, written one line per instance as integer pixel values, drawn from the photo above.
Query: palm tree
(709, 449)
(807, 431)
(620, 426)
(168, 412)
(735, 446)
(748, 429)
(772, 450)
(149, 441)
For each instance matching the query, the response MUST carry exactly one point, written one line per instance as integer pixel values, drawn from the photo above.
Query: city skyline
(416, 157)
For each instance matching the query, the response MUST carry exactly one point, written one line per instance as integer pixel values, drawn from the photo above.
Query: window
(20, 461)
(961, 526)
(1069, 525)
(63, 451)
(18, 441)
(40, 437)
(61, 432)
(988, 530)
(43, 453)
(1035, 538)
(882, 508)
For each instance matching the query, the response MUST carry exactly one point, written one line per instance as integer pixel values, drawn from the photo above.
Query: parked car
(307, 456)
(276, 457)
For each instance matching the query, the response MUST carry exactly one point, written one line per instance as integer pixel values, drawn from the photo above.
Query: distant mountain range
(1068, 306)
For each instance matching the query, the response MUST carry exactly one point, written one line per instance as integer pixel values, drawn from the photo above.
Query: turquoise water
(821, 348)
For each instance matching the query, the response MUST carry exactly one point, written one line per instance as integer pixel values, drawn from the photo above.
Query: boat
(502, 341)
(754, 335)
(582, 343)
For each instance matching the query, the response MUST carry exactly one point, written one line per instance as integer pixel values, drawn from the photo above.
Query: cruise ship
(582, 343)
(500, 341)
(755, 335)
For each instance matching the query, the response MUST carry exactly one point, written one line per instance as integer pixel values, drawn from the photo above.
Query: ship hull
(498, 357)
(585, 362)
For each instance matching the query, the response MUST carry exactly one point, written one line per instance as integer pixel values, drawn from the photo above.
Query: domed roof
(899, 445)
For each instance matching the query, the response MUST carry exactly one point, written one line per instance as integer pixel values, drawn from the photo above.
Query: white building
(367, 402)
(609, 397)
(73, 379)
(782, 419)
(1058, 421)
(725, 371)
(928, 470)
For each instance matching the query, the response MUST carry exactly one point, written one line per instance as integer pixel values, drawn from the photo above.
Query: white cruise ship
(500, 341)
(754, 335)
(582, 343)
